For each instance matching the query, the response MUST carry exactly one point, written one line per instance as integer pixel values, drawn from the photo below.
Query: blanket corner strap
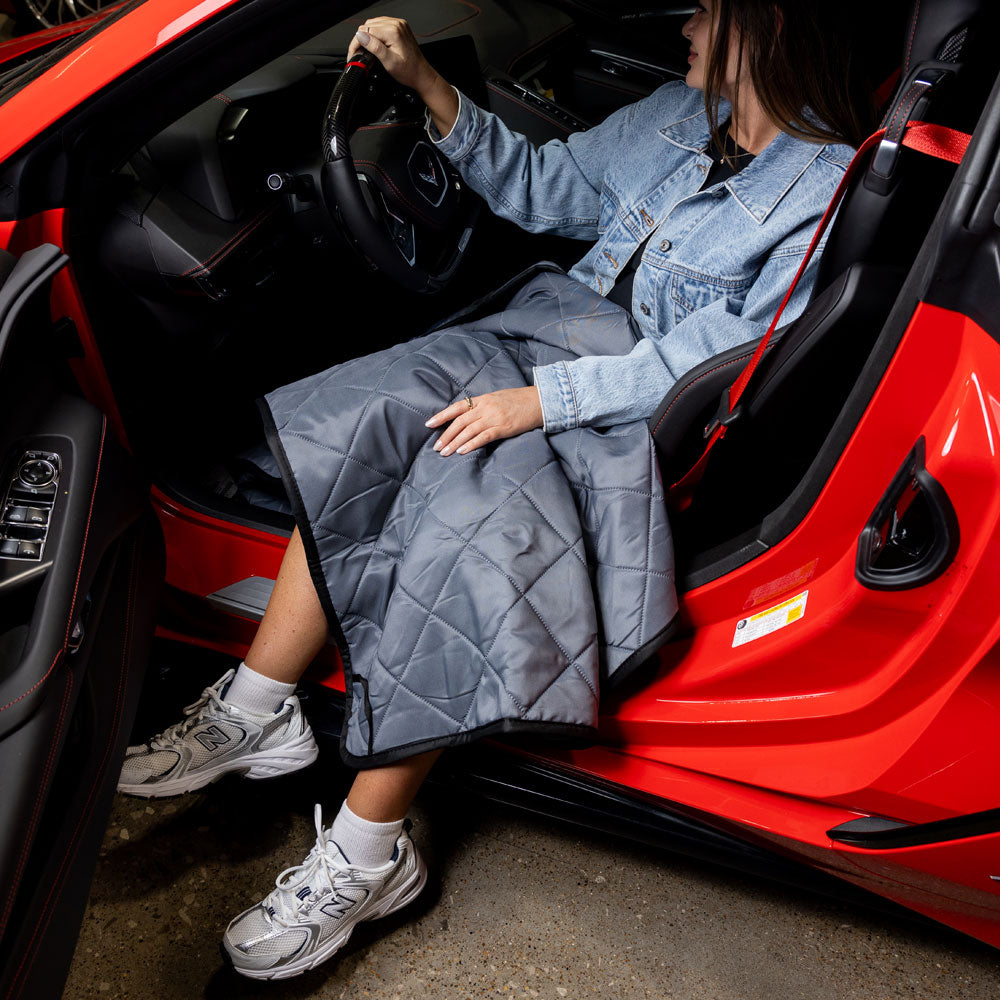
(933, 140)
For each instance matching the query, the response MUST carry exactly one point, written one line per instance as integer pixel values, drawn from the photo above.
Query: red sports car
(828, 709)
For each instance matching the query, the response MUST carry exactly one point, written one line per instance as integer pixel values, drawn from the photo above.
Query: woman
(702, 206)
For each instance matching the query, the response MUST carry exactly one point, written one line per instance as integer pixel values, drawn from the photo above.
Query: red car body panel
(88, 68)
(868, 702)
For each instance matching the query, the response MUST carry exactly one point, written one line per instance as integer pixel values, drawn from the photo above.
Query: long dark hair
(800, 63)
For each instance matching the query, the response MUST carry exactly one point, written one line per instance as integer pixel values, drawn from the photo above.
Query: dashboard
(195, 214)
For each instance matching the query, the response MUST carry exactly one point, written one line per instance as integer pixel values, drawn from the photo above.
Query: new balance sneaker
(316, 905)
(215, 738)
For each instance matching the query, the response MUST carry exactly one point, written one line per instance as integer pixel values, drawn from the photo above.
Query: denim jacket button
(665, 245)
(644, 309)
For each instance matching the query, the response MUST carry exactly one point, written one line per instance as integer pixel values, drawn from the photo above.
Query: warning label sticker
(765, 622)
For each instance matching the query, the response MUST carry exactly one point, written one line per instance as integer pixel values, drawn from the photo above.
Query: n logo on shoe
(340, 904)
(212, 738)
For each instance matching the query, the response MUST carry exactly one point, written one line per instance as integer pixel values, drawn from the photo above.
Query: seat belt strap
(932, 140)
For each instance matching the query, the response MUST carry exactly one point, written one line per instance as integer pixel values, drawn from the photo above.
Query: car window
(38, 62)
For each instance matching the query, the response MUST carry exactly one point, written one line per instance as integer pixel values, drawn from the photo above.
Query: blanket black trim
(571, 734)
(642, 657)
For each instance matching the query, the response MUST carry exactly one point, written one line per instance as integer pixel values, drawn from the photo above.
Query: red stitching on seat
(908, 102)
(913, 34)
(693, 382)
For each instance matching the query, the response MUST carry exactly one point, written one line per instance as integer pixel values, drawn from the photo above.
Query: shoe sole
(403, 895)
(264, 764)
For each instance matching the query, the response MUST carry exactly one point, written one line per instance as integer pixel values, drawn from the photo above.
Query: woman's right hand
(391, 41)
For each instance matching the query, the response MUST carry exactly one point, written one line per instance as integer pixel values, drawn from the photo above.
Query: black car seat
(948, 65)
(887, 212)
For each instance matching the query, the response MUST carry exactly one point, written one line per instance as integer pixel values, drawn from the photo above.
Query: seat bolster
(678, 423)
(837, 329)
(932, 24)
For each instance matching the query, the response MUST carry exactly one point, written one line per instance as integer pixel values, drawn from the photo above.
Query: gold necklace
(735, 153)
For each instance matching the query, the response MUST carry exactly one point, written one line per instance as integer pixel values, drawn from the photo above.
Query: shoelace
(211, 697)
(283, 904)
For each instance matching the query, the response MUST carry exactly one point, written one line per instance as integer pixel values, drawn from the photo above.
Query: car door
(81, 564)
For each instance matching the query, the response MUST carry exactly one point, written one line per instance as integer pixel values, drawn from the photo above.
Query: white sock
(255, 692)
(362, 842)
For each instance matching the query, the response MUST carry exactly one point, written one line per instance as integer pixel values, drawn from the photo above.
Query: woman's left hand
(492, 417)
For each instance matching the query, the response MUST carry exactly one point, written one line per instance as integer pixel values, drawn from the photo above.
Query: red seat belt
(934, 140)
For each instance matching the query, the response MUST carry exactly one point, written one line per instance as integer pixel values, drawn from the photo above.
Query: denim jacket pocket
(692, 290)
(608, 209)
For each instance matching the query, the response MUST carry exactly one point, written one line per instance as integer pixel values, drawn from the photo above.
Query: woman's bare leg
(385, 793)
(291, 634)
(294, 627)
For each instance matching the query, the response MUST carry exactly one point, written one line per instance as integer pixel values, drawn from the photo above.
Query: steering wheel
(403, 206)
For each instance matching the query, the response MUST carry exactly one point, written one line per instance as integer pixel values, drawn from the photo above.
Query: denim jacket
(720, 260)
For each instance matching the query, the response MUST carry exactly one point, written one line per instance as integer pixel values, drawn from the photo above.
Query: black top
(723, 168)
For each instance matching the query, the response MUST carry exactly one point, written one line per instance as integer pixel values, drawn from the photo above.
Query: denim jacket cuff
(555, 390)
(463, 133)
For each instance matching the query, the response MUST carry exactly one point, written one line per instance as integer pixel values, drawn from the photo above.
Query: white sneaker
(215, 738)
(316, 905)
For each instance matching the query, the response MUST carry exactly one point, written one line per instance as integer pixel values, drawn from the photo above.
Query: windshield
(37, 62)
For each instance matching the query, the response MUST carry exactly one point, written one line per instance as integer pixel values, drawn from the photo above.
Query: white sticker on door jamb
(765, 622)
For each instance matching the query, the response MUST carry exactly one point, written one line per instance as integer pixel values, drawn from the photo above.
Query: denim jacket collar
(767, 179)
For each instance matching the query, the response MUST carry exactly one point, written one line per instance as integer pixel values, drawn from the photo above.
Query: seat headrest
(936, 30)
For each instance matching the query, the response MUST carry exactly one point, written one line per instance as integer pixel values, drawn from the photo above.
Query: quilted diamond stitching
(458, 556)
(496, 673)
(348, 457)
(376, 660)
(304, 395)
(377, 392)
(454, 628)
(562, 673)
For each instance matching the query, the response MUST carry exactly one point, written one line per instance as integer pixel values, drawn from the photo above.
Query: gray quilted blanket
(489, 593)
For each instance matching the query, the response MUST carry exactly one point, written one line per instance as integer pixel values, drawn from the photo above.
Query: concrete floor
(516, 907)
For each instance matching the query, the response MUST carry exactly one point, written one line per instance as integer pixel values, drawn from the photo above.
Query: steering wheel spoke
(401, 229)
